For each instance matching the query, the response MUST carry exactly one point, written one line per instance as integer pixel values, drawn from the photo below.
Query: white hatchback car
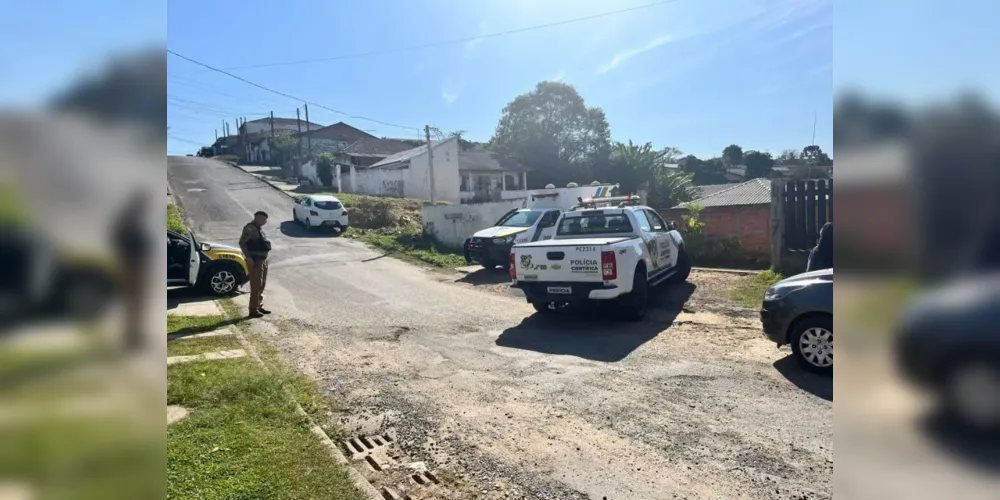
(320, 211)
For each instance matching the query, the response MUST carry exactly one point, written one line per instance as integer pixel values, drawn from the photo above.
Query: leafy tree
(814, 155)
(551, 130)
(732, 155)
(703, 171)
(463, 144)
(758, 163)
(672, 154)
(634, 165)
(324, 168)
(788, 157)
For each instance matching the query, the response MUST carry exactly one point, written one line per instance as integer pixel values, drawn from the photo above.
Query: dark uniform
(256, 246)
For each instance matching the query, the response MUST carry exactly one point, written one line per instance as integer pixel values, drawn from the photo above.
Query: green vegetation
(244, 437)
(394, 225)
(188, 346)
(175, 219)
(749, 291)
(303, 389)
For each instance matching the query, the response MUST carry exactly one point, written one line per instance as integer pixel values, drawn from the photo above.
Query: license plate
(561, 290)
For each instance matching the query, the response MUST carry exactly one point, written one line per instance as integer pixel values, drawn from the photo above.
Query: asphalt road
(691, 403)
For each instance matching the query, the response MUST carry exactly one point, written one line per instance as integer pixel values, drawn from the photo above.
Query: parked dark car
(799, 311)
(947, 342)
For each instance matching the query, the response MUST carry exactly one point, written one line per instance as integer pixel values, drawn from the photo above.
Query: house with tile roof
(735, 211)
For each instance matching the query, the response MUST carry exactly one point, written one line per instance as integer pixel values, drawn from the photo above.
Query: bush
(324, 168)
(175, 221)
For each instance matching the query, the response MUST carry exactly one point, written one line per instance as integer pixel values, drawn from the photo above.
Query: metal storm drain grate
(373, 450)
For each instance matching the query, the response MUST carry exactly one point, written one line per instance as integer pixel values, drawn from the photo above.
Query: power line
(181, 139)
(456, 41)
(244, 80)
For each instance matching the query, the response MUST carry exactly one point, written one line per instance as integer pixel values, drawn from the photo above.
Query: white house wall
(446, 179)
(264, 127)
(383, 182)
(452, 224)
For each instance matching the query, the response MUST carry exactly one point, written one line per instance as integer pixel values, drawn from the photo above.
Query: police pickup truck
(601, 253)
(490, 247)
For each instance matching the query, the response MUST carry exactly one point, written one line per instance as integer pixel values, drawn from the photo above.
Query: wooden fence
(799, 208)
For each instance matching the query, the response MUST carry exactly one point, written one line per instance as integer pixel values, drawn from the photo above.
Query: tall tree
(672, 154)
(551, 130)
(758, 163)
(732, 156)
(788, 157)
(635, 165)
(814, 155)
(703, 171)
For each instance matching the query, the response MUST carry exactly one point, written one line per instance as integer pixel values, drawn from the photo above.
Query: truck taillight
(513, 270)
(609, 268)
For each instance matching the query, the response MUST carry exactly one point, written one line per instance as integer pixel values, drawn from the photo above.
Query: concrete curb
(729, 271)
(360, 482)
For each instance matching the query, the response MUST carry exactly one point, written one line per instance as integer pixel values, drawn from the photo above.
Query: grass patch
(189, 325)
(304, 390)
(410, 245)
(188, 346)
(175, 219)
(95, 457)
(749, 290)
(244, 438)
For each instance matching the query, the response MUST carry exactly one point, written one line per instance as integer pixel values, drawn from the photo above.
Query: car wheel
(635, 303)
(223, 280)
(812, 344)
(308, 224)
(972, 394)
(683, 266)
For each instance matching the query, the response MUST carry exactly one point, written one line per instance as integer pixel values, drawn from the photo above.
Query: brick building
(736, 211)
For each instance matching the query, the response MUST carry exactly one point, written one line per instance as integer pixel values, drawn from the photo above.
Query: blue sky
(693, 74)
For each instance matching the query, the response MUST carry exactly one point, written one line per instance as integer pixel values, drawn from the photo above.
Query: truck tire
(683, 266)
(635, 303)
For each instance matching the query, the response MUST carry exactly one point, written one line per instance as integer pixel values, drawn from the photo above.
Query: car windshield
(327, 205)
(594, 224)
(520, 219)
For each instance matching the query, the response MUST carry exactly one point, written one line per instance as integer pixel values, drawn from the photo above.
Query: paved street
(691, 403)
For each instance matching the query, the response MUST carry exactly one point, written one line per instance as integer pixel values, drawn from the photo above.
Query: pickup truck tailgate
(561, 261)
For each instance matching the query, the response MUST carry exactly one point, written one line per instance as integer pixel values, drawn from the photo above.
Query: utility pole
(272, 124)
(430, 160)
(298, 124)
(216, 134)
(309, 140)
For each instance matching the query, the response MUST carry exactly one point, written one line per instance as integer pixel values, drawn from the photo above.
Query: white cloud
(560, 76)
(449, 96)
(625, 55)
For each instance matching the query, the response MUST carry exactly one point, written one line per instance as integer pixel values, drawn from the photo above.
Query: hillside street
(693, 402)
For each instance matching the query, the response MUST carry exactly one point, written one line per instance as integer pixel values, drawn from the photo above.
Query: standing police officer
(256, 246)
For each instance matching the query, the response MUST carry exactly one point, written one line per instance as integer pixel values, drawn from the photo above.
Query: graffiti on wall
(392, 188)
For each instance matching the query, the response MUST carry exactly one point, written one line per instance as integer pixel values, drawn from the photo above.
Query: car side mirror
(204, 247)
(672, 226)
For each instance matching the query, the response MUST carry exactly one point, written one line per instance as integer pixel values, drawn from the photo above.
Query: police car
(219, 269)
(491, 246)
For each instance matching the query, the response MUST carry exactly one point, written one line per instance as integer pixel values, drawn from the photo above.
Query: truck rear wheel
(683, 266)
(635, 303)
